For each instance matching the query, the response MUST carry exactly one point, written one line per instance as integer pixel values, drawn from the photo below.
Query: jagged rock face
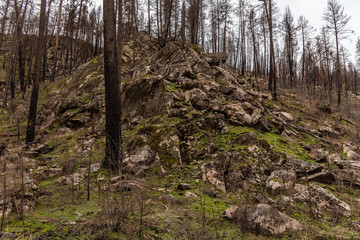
(145, 98)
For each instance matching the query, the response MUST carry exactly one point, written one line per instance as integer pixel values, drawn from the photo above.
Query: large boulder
(263, 219)
(175, 71)
(230, 213)
(192, 57)
(214, 121)
(198, 99)
(237, 115)
(247, 138)
(143, 158)
(223, 77)
(322, 198)
(243, 114)
(202, 67)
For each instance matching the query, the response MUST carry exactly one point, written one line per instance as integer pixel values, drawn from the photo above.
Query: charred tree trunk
(30, 133)
(112, 90)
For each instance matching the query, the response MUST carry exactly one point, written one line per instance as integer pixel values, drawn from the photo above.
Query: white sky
(313, 11)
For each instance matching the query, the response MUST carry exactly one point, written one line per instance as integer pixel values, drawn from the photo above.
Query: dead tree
(30, 133)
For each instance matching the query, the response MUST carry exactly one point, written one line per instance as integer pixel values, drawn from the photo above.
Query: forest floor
(171, 200)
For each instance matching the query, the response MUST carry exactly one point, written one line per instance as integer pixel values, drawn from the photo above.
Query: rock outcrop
(263, 219)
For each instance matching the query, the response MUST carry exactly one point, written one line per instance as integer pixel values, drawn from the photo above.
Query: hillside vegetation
(207, 155)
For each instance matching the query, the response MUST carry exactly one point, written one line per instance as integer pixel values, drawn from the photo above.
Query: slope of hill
(206, 156)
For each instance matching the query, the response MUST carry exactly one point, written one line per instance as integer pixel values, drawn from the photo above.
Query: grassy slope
(65, 214)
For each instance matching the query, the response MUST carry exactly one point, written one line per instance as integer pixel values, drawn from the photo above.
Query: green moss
(94, 59)
(172, 87)
(280, 144)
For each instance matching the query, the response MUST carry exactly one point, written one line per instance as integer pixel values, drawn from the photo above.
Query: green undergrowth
(227, 141)
(57, 213)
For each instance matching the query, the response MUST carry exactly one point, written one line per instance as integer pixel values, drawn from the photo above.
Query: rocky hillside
(206, 155)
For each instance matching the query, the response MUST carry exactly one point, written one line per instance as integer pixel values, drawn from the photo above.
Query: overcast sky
(313, 10)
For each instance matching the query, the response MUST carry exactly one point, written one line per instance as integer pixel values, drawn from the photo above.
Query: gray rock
(227, 90)
(241, 95)
(230, 213)
(183, 186)
(322, 198)
(53, 172)
(223, 77)
(143, 158)
(192, 57)
(265, 220)
(281, 180)
(94, 167)
(199, 99)
(73, 179)
(210, 174)
(189, 194)
(287, 116)
(237, 115)
(332, 158)
(214, 121)
(328, 131)
(247, 138)
(214, 59)
(202, 67)
(167, 198)
(319, 155)
(152, 91)
(302, 168)
(348, 177)
(41, 149)
(347, 164)
(325, 176)
(349, 150)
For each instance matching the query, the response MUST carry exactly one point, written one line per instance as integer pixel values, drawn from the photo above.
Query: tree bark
(30, 133)
(112, 90)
